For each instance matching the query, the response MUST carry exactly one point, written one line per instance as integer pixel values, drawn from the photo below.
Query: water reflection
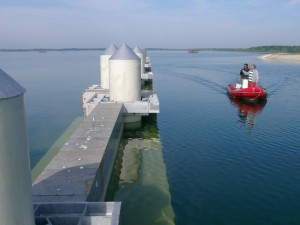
(247, 111)
(139, 178)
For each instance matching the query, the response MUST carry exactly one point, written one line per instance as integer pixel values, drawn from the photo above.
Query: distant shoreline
(274, 50)
(272, 56)
(283, 57)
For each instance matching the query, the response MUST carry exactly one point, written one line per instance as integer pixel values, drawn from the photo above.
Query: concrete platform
(95, 95)
(81, 170)
(147, 76)
(80, 213)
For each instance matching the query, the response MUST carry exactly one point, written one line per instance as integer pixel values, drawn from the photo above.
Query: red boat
(249, 93)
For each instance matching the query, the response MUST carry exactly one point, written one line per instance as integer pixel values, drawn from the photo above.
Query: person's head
(245, 66)
(253, 67)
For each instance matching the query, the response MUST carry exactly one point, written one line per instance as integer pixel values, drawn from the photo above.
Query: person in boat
(243, 77)
(244, 71)
(253, 76)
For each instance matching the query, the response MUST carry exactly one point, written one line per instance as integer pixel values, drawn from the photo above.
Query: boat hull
(250, 93)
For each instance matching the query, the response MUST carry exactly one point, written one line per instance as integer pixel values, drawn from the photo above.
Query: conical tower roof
(124, 53)
(137, 50)
(111, 49)
(9, 87)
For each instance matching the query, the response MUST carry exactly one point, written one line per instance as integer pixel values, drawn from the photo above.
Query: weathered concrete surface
(82, 168)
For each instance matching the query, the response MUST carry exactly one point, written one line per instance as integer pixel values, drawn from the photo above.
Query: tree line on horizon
(265, 49)
(276, 49)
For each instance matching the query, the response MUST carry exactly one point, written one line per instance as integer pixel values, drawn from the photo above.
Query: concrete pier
(81, 170)
(76, 179)
(73, 184)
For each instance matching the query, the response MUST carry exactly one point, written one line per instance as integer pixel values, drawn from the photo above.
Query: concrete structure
(104, 65)
(81, 170)
(15, 180)
(94, 95)
(78, 213)
(147, 64)
(140, 54)
(148, 102)
(73, 184)
(144, 56)
(147, 75)
(125, 76)
(69, 189)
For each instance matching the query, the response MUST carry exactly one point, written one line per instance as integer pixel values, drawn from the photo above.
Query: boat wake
(203, 82)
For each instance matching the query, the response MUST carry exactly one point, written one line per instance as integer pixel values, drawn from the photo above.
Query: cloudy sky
(148, 23)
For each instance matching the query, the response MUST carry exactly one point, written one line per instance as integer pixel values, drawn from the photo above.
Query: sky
(148, 23)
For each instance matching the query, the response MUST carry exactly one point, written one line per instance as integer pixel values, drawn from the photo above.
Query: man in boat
(253, 76)
(243, 72)
(243, 78)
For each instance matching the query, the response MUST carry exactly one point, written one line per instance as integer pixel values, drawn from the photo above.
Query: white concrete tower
(104, 65)
(15, 179)
(144, 56)
(125, 76)
(140, 54)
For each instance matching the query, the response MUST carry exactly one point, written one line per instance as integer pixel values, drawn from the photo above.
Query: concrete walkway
(82, 168)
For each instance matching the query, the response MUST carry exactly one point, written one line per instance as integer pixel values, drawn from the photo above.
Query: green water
(139, 178)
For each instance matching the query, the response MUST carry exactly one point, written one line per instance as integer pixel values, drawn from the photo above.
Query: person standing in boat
(253, 76)
(243, 72)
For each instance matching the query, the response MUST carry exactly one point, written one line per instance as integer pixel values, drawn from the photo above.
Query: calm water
(54, 83)
(224, 168)
(204, 159)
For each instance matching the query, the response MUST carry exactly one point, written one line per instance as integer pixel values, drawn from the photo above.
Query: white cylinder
(140, 54)
(144, 57)
(125, 76)
(104, 65)
(245, 83)
(15, 179)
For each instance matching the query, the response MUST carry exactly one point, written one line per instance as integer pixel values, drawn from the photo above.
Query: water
(224, 168)
(205, 159)
(139, 178)
(54, 83)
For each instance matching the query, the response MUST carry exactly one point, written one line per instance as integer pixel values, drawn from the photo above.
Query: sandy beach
(284, 57)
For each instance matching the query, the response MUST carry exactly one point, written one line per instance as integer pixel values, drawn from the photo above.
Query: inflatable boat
(245, 92)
